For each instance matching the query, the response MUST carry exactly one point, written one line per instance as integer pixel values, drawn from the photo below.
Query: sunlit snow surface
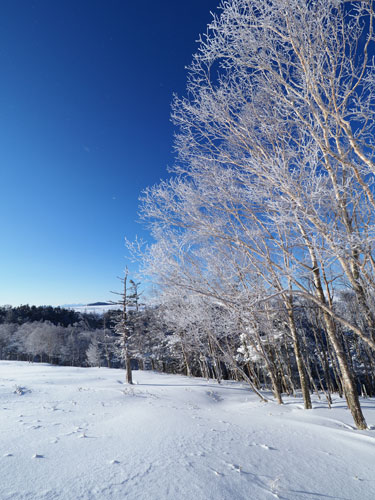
(81, 433)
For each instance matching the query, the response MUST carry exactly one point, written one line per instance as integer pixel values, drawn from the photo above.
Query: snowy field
(81, 433)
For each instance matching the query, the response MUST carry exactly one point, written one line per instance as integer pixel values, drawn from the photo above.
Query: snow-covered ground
(81, 433)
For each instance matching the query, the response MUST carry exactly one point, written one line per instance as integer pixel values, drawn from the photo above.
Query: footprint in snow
(265, 447)
(197, 454)
(235, 467)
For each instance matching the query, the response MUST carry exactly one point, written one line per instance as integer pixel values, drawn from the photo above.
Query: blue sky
(85, 94)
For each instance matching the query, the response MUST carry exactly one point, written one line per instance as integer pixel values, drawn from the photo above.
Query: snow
(98, 309)
(81, 433)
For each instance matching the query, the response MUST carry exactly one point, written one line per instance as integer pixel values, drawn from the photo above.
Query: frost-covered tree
(93, 354)
(275, 167)
(129, 298)
(8, 342)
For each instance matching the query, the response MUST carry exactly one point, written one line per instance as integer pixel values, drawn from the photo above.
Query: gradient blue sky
(85, 94)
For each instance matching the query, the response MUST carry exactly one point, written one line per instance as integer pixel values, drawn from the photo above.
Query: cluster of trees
(118, 338)
(45, 342)
(264, 235)
(58, 335)
(198, 336)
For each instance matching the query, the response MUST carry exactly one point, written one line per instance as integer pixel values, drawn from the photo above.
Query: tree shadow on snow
(211, 386)
(318, 495)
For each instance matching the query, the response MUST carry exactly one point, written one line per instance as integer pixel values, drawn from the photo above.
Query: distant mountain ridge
(99, 304)
(82, 304)
(99, 307)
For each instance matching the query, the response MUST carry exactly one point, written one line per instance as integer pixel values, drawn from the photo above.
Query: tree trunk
(129, 376)
(300, 365)
(347, 379)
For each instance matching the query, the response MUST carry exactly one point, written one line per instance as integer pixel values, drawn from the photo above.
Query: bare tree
(122, 326)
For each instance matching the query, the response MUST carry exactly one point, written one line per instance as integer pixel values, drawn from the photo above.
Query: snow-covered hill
(81, 433)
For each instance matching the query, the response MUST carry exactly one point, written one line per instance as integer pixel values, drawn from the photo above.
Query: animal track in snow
(264, 446)
(235, 467)
(215, 396)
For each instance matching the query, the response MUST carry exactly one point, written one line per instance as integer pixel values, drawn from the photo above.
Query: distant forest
(56, 315)
(53, 334)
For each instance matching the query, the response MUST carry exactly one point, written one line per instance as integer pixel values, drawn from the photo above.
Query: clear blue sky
(85, 94)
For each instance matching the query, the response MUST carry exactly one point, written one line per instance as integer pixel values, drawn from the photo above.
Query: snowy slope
(80, 433)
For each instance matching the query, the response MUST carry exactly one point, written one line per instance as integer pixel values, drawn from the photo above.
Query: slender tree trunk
(347, 378)
(186, 361)
(129, 376)
(299, 360)
(216, 363)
